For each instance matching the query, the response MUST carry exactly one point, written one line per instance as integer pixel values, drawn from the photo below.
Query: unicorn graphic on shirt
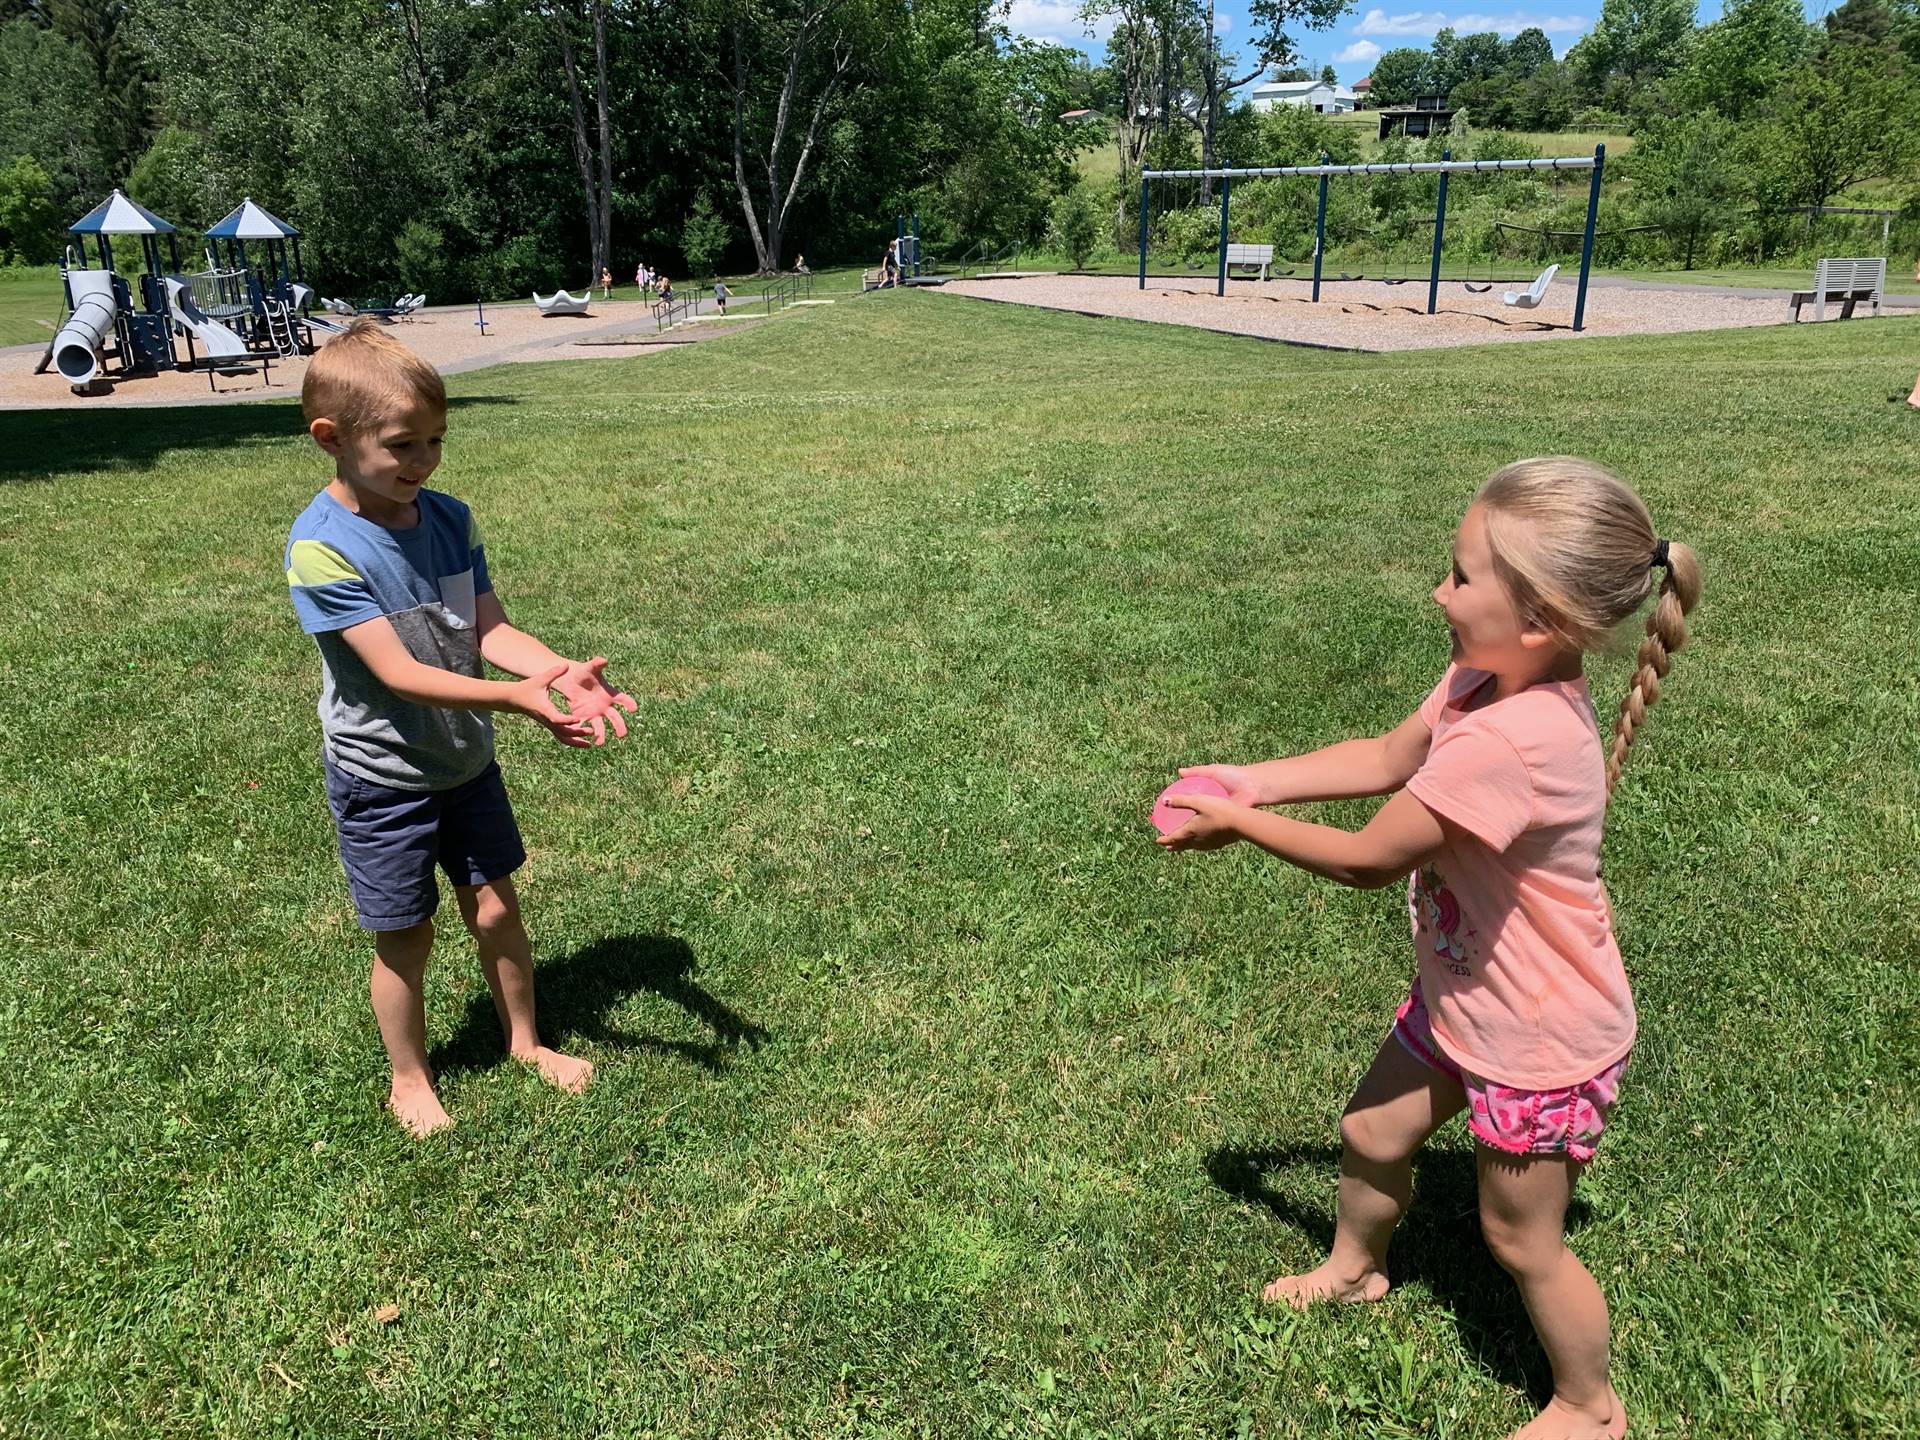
(1440, 916)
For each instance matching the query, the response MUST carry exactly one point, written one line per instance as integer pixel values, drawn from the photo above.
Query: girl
(1519, 1011)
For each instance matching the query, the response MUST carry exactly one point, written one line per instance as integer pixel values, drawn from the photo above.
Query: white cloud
(1431, 22)
(1222, 23)
(1058, 21)
(1360, 52)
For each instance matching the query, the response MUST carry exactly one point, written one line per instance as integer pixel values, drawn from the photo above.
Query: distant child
(666, 290)
(1519, 1012)
(640, 277)
(390, 579)
(720, 296)
(606, 283)
(800, 265)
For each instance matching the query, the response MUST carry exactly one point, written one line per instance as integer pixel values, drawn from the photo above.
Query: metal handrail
(785, 289)
(685, 303)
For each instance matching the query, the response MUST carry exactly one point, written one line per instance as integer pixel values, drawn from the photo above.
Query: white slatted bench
(1847, 282)
(1250, 255)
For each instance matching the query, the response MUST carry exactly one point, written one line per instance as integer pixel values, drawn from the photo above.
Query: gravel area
(1368, 315)
(446, 338)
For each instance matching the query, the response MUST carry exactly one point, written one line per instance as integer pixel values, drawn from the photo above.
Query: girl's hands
(1242, 787)
(529, 697)
(1212, 826)
(591, 699)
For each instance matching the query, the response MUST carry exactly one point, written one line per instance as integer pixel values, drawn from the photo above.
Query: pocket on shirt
(456, 593)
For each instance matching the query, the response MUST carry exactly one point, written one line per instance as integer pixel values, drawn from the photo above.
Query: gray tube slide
(76, 349)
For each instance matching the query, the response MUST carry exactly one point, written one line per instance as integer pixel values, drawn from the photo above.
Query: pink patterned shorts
(1519, 1122)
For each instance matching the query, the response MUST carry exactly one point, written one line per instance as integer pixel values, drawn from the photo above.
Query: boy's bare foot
(418, 1109)
(566, 1072)
(1561, 1421)
(1326, 1283)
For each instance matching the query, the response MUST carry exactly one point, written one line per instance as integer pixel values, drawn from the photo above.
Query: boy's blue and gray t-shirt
(344, 570)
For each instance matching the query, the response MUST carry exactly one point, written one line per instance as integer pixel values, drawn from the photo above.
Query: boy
(391, 581)
(720, 297)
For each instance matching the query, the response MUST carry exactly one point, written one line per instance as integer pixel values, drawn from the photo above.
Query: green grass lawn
(933, 1100)
(30, 303)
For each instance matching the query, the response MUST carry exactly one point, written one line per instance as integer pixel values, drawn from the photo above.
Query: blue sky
(1363, 32)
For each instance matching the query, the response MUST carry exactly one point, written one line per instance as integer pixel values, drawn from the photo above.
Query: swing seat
(1473, 289)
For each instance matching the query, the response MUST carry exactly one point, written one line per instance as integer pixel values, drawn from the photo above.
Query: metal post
(1586, 245)
(1320, 229)
(916, 243)
(1226, 194)
(1144, 184)
(1439, 236)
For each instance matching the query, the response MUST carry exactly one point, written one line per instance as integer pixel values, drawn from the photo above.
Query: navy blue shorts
(392, 840)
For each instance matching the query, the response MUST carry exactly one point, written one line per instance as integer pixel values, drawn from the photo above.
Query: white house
(1313, 94)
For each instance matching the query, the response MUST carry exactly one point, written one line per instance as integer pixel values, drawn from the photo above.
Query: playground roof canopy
(117, 215)
(250, 222)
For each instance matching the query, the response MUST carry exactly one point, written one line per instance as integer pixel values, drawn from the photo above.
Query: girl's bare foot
(565, 1072)
(417, 1108)
(1561, 1421)
(1326, 1283)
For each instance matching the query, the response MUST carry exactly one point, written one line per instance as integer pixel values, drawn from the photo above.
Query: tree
(810, 45)
(1835, 124)
(1528, 51)
(122, 101)
(1737, 62)
(596, 181)
(29, 215)
(1327, 75)
(1632, 44)
(1690, 166)
(46, 111)
(1400, 75)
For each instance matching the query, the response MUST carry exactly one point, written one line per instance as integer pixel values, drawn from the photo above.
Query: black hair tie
(1659, 560)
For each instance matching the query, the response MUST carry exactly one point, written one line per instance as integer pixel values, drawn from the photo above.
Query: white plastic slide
(216, 341)
(76, 349)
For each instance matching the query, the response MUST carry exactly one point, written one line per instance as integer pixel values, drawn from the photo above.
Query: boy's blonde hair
(359, 378)
(1576, 549)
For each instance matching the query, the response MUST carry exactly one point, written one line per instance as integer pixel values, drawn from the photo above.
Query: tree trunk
(582, 149)
(603, 237)
(740, 140)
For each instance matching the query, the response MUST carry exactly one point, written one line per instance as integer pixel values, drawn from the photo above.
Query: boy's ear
(326, 434)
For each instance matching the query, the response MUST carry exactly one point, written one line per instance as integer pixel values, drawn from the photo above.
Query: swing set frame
(1445, 167)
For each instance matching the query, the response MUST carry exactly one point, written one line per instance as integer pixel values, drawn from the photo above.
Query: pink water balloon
(1168, 818)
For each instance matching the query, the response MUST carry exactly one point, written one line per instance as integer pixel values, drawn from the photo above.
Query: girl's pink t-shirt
(1511, 923)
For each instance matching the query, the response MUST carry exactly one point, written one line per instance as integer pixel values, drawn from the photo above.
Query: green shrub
(1076, 223)
(704, 240)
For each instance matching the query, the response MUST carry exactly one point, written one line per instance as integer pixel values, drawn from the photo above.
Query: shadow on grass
(37, 444)
(578, 992)
(1438, 1244)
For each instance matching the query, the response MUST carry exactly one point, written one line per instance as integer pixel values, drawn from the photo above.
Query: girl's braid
(1666, 633)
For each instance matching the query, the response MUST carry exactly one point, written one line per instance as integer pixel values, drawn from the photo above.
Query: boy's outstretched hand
(532, 700)
(592, 700)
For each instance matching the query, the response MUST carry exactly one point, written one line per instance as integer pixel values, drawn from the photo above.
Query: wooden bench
(1247, 256)
(1845, 282)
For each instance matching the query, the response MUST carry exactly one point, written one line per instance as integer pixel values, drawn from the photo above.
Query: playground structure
(1445, 168)
(100, 303)
(232, 319)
